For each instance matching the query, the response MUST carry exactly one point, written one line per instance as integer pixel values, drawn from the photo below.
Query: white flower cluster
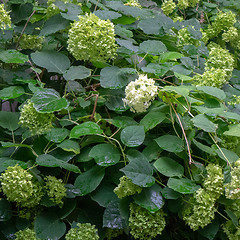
(4, 18)
(133, 3)
(140, 93)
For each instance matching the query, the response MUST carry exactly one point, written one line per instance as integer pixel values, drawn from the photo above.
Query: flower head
(5, 18)
(26, 234)
(168, 6)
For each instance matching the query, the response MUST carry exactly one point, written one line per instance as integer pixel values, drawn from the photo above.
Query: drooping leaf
(168, 167)
(52, 61)
(132, 136)
(48, 101)
(105, 154)
(9, 120)
(213, 91)
(11, 92)
(77, 72)
(170, 143)
(87, 128)
(202, 122)
(70, 146)
(150, 198)
(227, 155)
(88, 181)
(182, 185)
(13, 56)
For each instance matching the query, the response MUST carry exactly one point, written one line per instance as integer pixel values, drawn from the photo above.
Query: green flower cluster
(185, 38)
(140, 93)
(232, 36)
(183, 4)
(30, 42)
(18, 185)
(26, 234)
(83, 231)
(38, 123)
(145, 225)
(55, 189)
(168, 6)
(5, 18)
(235, 100)
(201, 210)
(232, 231)
(126, 188)
(133, 3)
(112, 233)
(92, 39)
(232, 189)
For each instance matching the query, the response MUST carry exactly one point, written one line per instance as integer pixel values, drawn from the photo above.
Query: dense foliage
(119, 119)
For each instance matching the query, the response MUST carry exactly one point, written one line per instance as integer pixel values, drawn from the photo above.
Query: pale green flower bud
(5, 18)
(168, 6)
(185, 38)
(83, 231)
(126, 188)
(30, 41)
(92, 39)
(113, 233)
(133, 3)
(232, 232)
(26, 234)
(140, 93)
(183, 4)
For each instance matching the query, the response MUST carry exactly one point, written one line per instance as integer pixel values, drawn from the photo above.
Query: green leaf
(77, 72)
(140, 171)
(11, 92)
(212, 91)
(204, 147)
(115, 77)
(202, 122)
(5, 210)
(88, 181)
(9, 120)
(54, 24)
(49, 101)
(168, 167)
(150, 198)
(152, 119)
(123, 121)
(182, 77)
(168, 193)
(158, 69)
(105, 154)
(210, 231)
(182, 185)
(233, 130)
(47, 160)
(7, 162)
(70, 146)
(57, 135)
(170, 143)
(225, 153)
(107, 14)
(86, 128)
(181, 90)
(170, 56)
(47, 225)
(112, 217)
(181, 69)
(13, 56)
(132, 136)
(52, 61)
(153, 47)
(123, 32)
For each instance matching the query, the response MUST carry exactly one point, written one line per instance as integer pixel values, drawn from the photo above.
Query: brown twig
(95, 106)
(39, 79)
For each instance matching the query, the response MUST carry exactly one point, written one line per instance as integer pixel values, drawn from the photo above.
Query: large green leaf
(182, 185)
(7, 162)
(57, 135)
(70, 146)
(233, 130)
(88, 181)
(87, 128)
(202, 122)
(13, 56)
(11, 92)
(158, 69)
(170, 56)
(47, 225)
(153, 47)
(48, 101)
(150, 198)
(168, 167)
(105, 154)
(152, 119)
(123, 121)
(170, 143)
(77, 72)
(115, 77)
(107, 14)
(52, 61)
(215, 92)
(139, 170)
(47, 160)
(133, 136)
(227, 155)
(9, 120)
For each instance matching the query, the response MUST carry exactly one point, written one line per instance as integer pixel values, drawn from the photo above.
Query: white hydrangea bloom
(140, 93)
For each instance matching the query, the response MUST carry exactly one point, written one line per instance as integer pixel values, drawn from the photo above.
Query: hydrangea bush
(119, 119)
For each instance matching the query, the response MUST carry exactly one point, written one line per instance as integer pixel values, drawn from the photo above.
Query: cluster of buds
(27, 233)
(30, 42)
(133, 3)
(168, 6)
(183, 4)
(5, 18)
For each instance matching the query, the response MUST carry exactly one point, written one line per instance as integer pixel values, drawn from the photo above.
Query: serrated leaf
(140, 171)
(88, 181)
(132, 136)
(48, 101)
(11, 92)
(153, 47)
(70, 146)
(168, 167)
(87, 128)
(170, 143)
(150, 198)
(9, 120)
(13, 56)
(47, 160)
(52, 61)
(105, 154)
(152, 119)
(182, 185)
(77, 72)
(202, 122)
